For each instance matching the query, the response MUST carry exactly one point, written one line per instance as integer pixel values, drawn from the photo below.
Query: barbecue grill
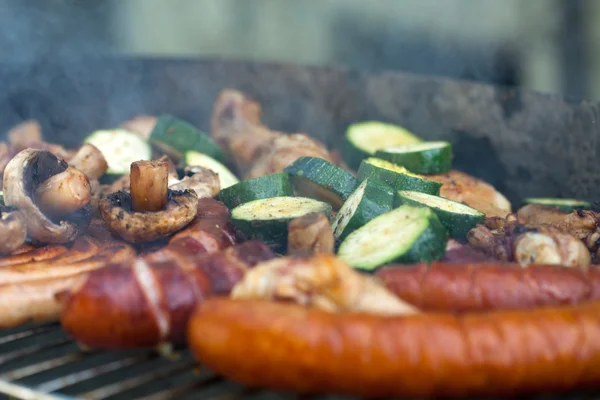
(525, 144)
(40, 362)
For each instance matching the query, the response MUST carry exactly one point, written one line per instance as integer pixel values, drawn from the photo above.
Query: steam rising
(48, 48)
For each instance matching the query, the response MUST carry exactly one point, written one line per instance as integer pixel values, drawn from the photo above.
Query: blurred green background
(545, 45)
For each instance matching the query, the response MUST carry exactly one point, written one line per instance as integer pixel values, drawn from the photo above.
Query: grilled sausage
(34, 281)
(285, 346)
(150, 302)
(481, 287)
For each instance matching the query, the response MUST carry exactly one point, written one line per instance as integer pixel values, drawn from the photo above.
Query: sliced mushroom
(201, 180)
(37, 182)
(550, 246)
(13, 230)
(151, 210)
(90, 161)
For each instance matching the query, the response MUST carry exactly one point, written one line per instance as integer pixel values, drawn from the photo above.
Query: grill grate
(41, 362)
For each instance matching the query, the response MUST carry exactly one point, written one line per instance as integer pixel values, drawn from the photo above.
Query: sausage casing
(485, 286)
(285, 346)
(149, 302)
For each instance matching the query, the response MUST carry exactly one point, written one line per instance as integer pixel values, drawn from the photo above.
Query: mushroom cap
(22, 175)
(201, 180)
(13, 230)
(141, 227)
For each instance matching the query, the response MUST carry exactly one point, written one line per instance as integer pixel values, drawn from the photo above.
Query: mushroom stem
(63, 193)
(90, 161)
(149, 185)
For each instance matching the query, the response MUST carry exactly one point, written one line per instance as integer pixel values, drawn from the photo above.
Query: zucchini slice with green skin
(363, 139)
(120, 148)
(226, 177)
(404, 235)
(565, 205)
(264, 187)
(399, 178)
(268, 219)
(178, 135)
(370, 199)
(420, 158)
(458, 218)
(321, 180)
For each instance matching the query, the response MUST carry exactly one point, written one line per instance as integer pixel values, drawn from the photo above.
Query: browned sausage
(284, 346)
(480, 287)
(150, 302)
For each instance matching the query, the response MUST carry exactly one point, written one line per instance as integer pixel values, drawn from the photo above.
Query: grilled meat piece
(255, 149)
(527, 245)
(473, 192)
(322, 281)
(578, 223)
(310, 234)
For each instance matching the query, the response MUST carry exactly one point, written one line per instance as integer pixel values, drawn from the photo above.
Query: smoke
(389, 46)
(53, 62)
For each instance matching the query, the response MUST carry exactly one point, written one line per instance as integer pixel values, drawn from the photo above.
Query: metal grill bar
(39, 362)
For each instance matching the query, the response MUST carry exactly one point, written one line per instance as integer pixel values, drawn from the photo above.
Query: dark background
(33, 32)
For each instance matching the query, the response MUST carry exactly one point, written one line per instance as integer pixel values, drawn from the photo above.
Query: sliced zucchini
(264, 187)
(267, 219)
(458, 218)
(176, 135)
(420, 158)
(370, 199)
(404, 235)
(319, 179)
(363, 139)
(120, 148)
(565, 205)
(226, 177)
(397, 177)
